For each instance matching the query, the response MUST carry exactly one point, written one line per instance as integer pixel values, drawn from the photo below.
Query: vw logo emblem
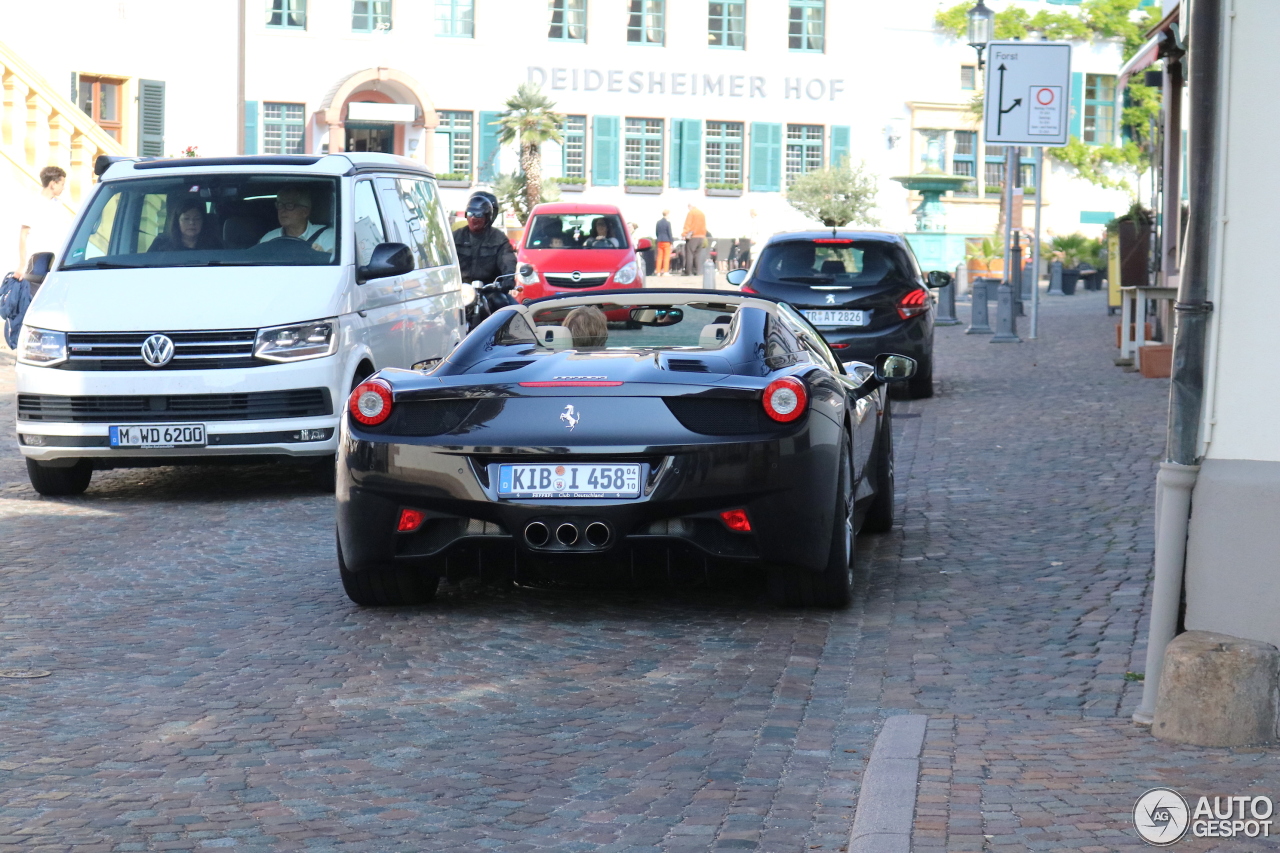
(575, 275)
(157, 350)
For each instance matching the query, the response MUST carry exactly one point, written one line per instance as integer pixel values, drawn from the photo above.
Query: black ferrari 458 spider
(580, 427)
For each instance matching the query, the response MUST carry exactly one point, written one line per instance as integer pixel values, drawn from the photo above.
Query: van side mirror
(38, 267)
(938, 278)
(388, 259)
(736, 277)
(894, 368)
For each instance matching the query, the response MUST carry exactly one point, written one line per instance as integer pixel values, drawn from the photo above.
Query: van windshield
(208, 220)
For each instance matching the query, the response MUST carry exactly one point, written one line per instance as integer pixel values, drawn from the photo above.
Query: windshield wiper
(812, 279)
(103, 265)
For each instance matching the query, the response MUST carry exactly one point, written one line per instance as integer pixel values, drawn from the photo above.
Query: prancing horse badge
(570, 417)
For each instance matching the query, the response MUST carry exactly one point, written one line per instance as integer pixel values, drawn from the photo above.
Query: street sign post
(1026, 102)
(1028, 95)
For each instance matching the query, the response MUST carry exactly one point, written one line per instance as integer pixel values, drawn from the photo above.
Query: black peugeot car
(863, 290)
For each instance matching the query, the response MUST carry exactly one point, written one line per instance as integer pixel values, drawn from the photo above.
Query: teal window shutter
(151, 118)
(689, 153)
(766, 157)
(604, 151)
(1075, 127)
(839, 144)
(490, 131)
(677, 162)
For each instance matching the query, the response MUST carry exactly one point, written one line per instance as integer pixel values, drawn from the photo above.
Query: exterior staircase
(40, 127)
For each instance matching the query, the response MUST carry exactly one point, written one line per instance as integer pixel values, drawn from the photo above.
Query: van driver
(293, 207)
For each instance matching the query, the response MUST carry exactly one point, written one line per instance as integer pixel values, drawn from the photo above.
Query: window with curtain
(727, 24)
(642, 149)
(283, 128)
(964, 160)
(573, 151)
(993, 170)
(647, 21)
(968, 77)
(1099, 109)
(455, 131)
(456, 18)
(370, 16)
(805, 27)
(723, 146)
(568, 20)
(804, 150)
(291, 14)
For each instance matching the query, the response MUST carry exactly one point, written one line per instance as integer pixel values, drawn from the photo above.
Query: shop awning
(1151, 50)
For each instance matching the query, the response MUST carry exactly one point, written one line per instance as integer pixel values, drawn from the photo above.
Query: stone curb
(887, 802)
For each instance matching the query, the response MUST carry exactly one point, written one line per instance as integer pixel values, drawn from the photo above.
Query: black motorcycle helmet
(485, 205)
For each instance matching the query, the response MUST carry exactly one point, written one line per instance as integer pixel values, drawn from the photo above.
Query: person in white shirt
(293, 209)
(45, 222)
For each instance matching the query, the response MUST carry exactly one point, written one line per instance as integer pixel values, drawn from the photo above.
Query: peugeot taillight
(370, 402)
(915, 302)
(785, 399)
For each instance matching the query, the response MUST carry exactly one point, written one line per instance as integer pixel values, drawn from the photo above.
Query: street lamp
(981, 24)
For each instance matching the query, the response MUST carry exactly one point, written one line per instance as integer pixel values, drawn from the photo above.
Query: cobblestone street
(212, 687)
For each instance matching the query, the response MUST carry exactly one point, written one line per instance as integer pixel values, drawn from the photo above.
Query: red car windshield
(577, 231)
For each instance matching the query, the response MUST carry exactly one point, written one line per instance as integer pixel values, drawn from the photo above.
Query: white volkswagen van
(225, 307)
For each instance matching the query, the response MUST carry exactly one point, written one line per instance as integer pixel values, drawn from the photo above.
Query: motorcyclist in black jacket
(484, 252)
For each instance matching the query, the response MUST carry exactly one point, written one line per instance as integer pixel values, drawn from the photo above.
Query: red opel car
(575, 247)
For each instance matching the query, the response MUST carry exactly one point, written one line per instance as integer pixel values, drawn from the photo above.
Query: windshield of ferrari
(602, 326)
(577, 231)
(208, 220)
(832, 261)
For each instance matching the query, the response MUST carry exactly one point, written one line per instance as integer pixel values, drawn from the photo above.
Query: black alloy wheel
(391, 585)
(879, 518)
(60, 482)
(832, 586)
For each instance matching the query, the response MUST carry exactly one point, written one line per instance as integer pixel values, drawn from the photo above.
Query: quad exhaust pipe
(594, 536)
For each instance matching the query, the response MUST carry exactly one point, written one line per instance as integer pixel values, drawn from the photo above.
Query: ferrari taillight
(915, 302)
(370, 402)
(785, 399)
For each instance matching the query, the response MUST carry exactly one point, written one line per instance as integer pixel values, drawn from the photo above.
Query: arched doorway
(379, 109)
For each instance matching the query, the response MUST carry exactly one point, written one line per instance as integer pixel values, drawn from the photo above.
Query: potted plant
(985, 256)
(1134, 230)
(454, 179)
(1072, 250)
(636, 185)
(724, 189)
(569, 185)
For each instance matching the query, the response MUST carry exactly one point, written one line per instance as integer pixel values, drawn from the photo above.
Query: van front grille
(193, 350)
(176, 408)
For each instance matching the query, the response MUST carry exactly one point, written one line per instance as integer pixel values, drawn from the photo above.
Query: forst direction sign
(1028, 96)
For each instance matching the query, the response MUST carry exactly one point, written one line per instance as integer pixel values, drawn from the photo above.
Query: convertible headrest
(713, 335)
(556, 337)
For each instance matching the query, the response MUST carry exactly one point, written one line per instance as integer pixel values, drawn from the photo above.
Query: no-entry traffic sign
(1028, 93)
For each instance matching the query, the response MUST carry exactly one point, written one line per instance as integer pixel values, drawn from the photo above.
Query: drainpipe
(1178, 472)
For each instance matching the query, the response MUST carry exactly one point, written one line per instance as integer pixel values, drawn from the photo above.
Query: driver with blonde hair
(588, 326)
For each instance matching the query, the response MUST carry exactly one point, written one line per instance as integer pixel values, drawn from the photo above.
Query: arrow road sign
(1028, 90)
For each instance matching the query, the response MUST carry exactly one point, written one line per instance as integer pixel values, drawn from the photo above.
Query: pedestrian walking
(695, 239)
(663, 236)
(45, 221)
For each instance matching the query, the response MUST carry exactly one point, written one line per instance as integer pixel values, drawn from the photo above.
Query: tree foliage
(836, 196)
(512, 190)
(530, 119)
(1095, 19)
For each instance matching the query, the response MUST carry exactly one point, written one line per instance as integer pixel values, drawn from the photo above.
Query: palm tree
(530, 119)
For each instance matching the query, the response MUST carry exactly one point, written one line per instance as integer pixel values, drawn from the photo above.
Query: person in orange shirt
(695, 239)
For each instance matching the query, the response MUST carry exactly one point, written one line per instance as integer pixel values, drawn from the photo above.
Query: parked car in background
(223, 308)
(863, 290)
(707, 422)
(576, 247)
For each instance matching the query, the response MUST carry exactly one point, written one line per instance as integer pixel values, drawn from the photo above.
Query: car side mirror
(894, 368)
(938, 278)
(388, 259)
(736, 277)
(645, 243)
(38, 267)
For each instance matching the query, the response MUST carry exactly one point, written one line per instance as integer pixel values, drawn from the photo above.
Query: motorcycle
(489, 298)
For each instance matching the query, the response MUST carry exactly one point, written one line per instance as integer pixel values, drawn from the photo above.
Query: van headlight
(41, 347)
(626, 274)
(298, 341)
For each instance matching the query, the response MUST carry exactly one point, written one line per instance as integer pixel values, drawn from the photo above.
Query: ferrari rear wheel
(920, 386)
(880, 514)
(833, 586)
(388, 586)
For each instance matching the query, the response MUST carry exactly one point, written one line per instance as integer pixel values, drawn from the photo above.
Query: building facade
(720, 104)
